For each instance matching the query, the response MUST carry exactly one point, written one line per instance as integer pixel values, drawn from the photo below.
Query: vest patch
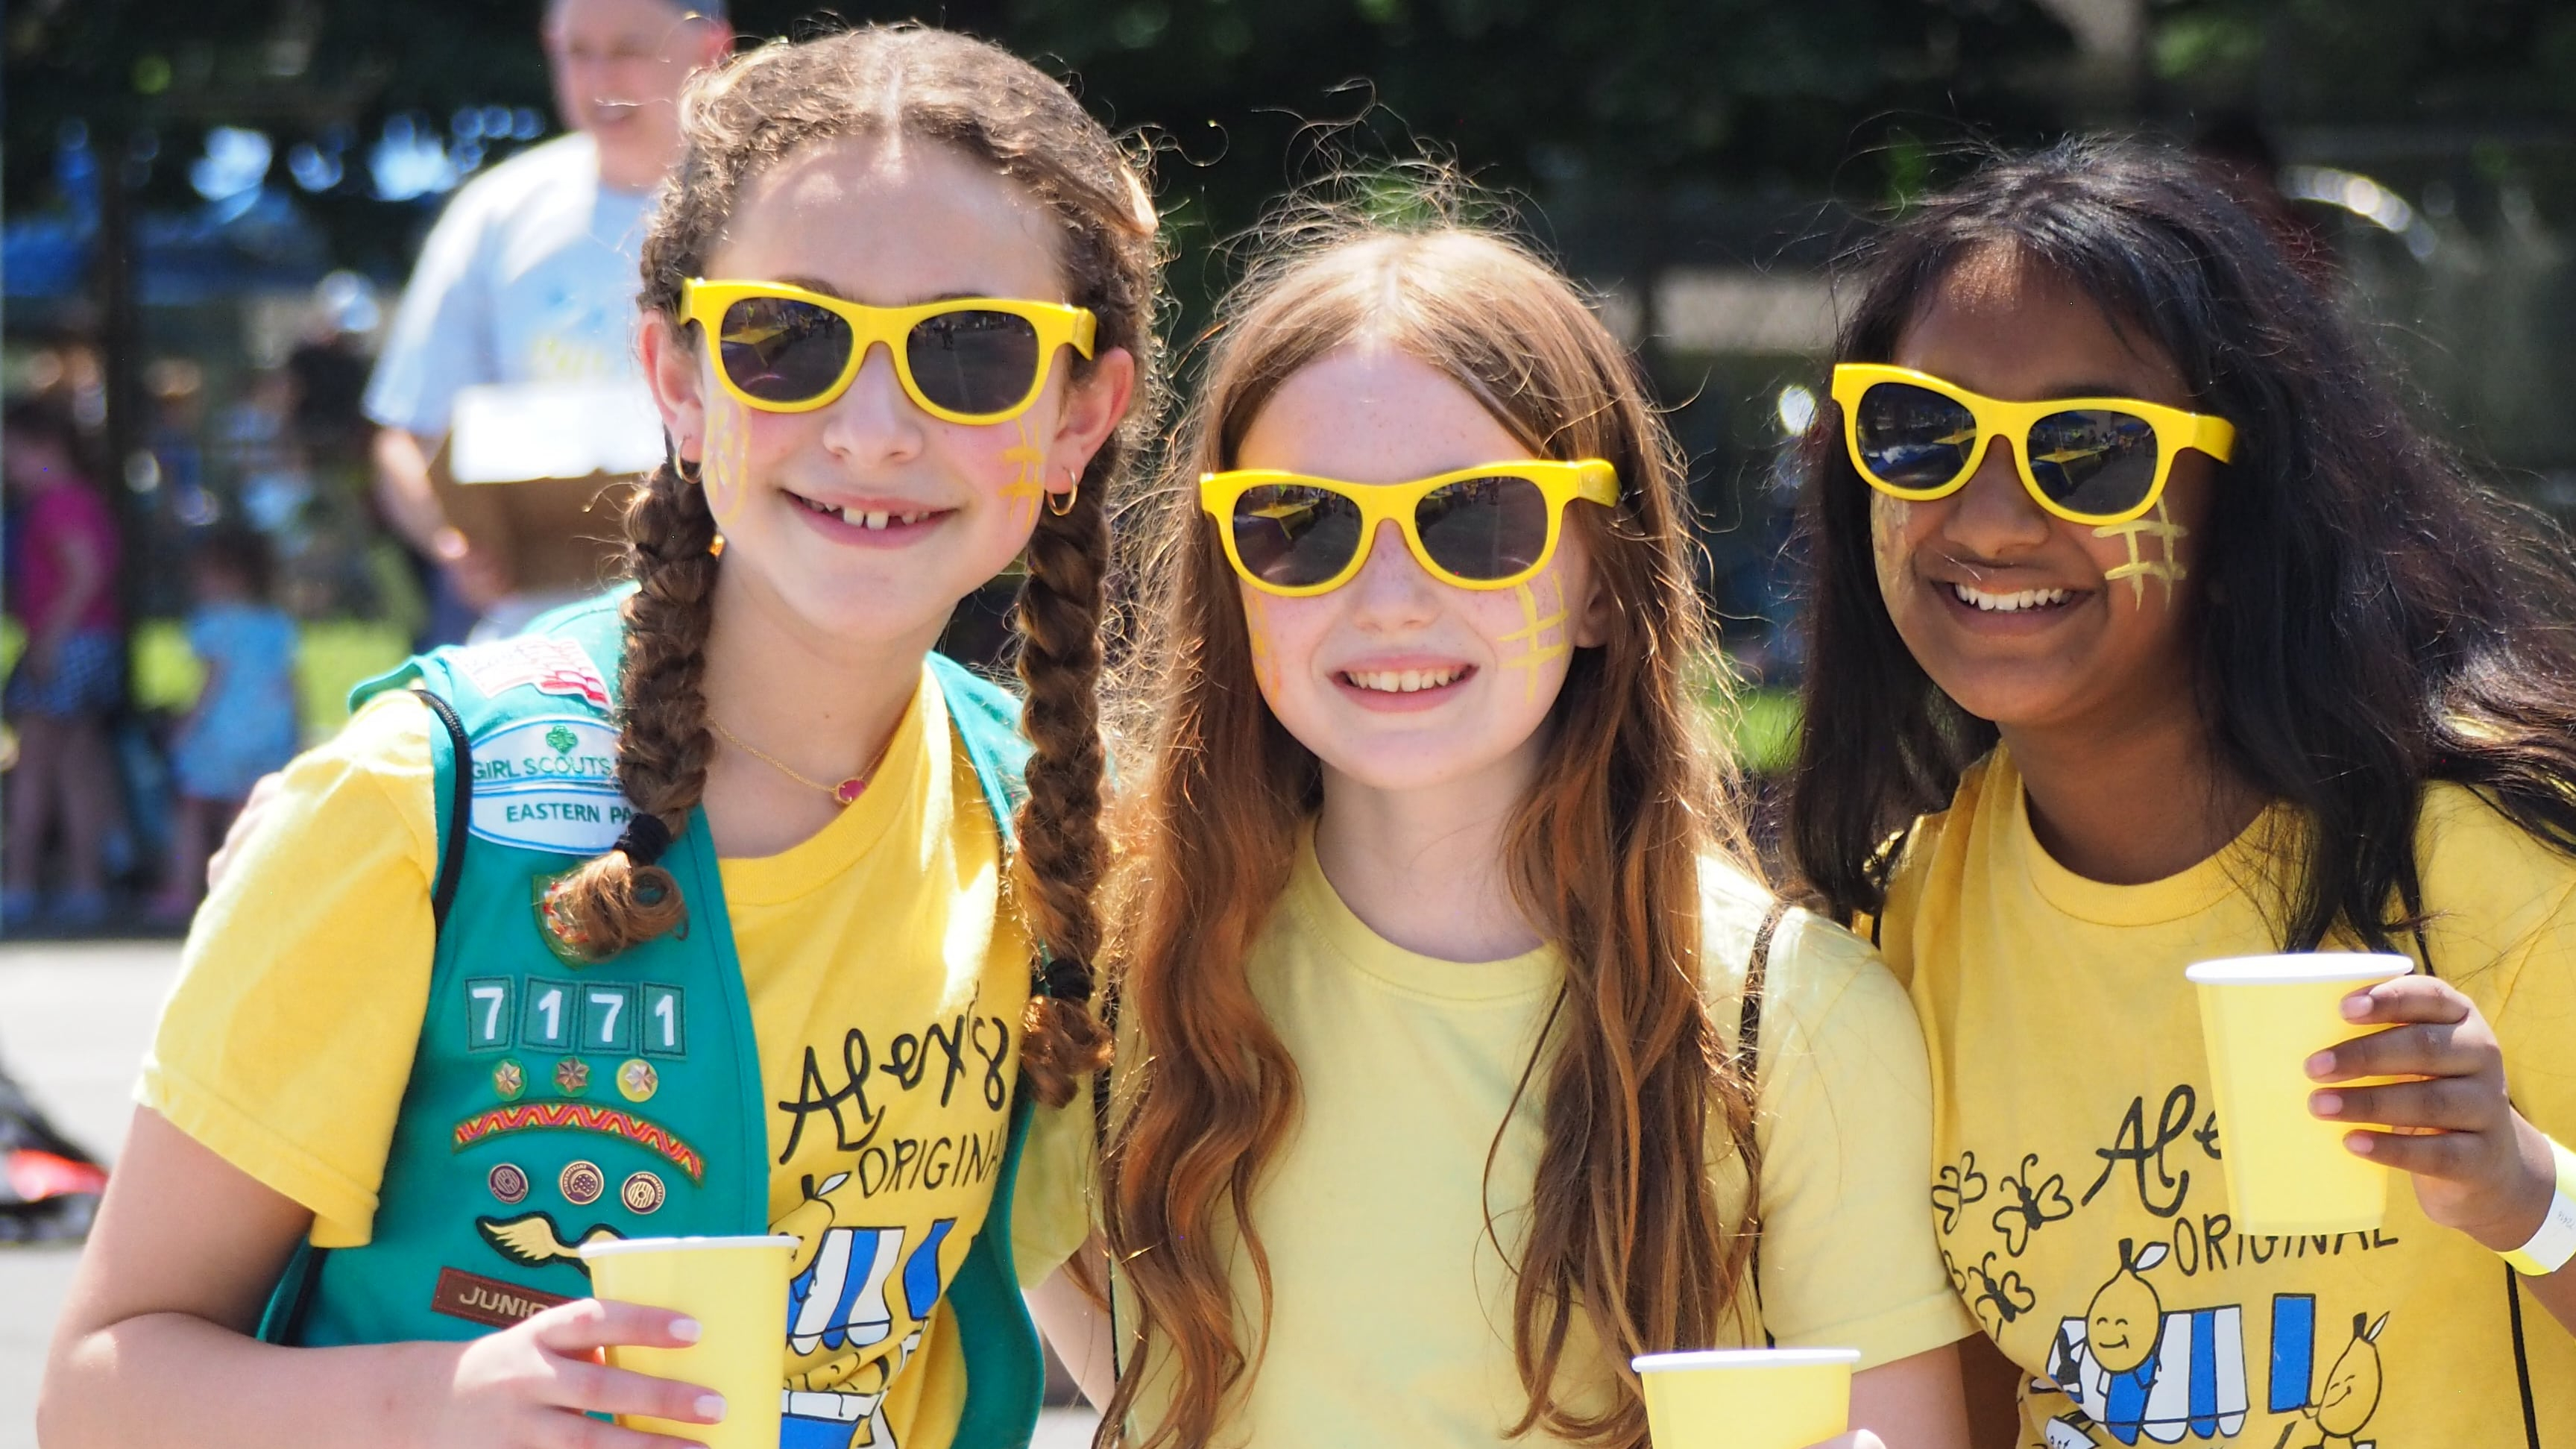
(488, 1301)
(547, 664)
(549, 784)
(581, 1117)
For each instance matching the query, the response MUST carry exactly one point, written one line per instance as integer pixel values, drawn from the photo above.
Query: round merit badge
(643, 1194)
(582, 1183)
(509, 1079)
(509, 1183)
(572, 1074)
(636, 1079)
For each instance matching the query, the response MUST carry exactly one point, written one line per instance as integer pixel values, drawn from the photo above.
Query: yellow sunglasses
(1486, 527)
(2092, 460)
(783, 349)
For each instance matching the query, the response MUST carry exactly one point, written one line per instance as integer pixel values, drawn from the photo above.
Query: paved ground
(74, 1020)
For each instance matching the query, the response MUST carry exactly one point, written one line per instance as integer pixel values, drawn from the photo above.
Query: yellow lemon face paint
(725, 467)
(2168, 570)
(1028, 475)
(1887, 519)
(1265, 659)
(1541, 636)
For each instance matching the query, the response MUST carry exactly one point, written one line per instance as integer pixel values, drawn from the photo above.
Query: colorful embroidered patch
(637, 1081)
(558, 667)
(531, 1240)
(549, 784)
(487, 1301)
(581, 1183)
(509, 1183)
(509, 1079)
(572, 1075)
(643, 1194)
(580, 1117)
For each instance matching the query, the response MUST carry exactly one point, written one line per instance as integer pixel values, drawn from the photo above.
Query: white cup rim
(2298, 969)
(613, 1247)
(1706, 1358)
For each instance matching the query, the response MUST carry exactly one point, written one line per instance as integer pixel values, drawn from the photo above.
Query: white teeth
(1404, 681)
(855, 519)
(2008, 603)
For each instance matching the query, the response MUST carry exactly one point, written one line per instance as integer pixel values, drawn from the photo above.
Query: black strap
(460, 807)
(1748, 1062)
(2512, 1289)
(1100, 1156)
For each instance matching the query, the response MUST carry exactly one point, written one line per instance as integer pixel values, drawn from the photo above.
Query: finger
(594, 1388)
(2451, 1104)
(571, 1431)
(2408, 998)
(586, 1324)
(2427, 1049)
(2456, 1156)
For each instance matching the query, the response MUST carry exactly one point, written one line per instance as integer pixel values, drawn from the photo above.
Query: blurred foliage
(1239, 96)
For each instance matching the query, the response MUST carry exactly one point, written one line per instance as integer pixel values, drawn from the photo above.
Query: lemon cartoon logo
(837, 1311)
(2135, 1368)
(2350, 1396)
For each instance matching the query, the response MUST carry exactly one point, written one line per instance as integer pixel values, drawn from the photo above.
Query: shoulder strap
(460, 805)
(1748, 1056)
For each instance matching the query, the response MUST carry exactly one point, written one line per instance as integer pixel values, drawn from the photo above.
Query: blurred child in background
(243, 725)
(62, 592)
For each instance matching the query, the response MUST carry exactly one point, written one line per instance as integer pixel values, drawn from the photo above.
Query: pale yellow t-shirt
(2079, 1160)
(866, 952)
(1392, 1320)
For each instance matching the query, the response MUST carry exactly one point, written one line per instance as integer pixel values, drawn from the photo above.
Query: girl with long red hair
(1439, 1097)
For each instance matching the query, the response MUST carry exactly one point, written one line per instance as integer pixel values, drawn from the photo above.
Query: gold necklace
(843, 793)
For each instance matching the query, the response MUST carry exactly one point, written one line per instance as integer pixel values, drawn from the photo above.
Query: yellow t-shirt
(2074, 1130)
(885, 988)
(1392, 1320)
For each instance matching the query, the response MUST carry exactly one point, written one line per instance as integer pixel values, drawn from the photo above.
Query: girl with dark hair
(689, 912)
(2146, 630)
(1468, 1058)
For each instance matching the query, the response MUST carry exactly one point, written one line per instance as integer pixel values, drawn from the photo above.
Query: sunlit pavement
(74, 1020)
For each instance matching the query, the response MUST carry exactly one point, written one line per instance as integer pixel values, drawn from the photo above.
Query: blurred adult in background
(530, 278)
(62, 592)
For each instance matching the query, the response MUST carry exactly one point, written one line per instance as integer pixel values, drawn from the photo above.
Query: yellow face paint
(725, 467)
(1028, 475)
(1256, 623)
(2169, 569)
(1887, 519)
(1541, 636)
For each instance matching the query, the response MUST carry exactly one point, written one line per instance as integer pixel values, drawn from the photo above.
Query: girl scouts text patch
(549, 784)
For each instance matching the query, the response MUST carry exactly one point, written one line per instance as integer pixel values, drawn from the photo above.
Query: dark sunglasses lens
(1484, 528)
(782, 351)
(1295, 535)
(2094, 460)
(973, 361)
(1913, 438)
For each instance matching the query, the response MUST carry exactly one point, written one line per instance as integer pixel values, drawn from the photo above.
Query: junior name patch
(489, 1301)
(549, 784)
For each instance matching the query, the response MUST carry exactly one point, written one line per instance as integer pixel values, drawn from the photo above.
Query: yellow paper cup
(736, 1288)
(1747, 1398)
(2262, 1017)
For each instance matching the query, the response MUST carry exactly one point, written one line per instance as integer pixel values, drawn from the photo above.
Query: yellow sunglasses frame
(1558, 481)
(1994, 417)
(1058, 325)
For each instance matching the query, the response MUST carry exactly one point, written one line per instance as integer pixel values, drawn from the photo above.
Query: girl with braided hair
(1463, 1055)
(698, 909)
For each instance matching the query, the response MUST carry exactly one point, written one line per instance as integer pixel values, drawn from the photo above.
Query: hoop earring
(680, 466)
(1070, 496)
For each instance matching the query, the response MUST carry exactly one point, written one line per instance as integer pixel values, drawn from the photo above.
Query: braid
(625, 898)
(1063, 852)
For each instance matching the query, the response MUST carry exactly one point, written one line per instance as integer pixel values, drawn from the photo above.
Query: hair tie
(1066, 978)
(645, 838)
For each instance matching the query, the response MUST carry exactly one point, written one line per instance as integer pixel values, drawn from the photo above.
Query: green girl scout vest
(554, 1101)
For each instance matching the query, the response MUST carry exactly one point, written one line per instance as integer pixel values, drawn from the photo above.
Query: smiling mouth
(876, 522)
(2016, 602)
(1405, 681)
